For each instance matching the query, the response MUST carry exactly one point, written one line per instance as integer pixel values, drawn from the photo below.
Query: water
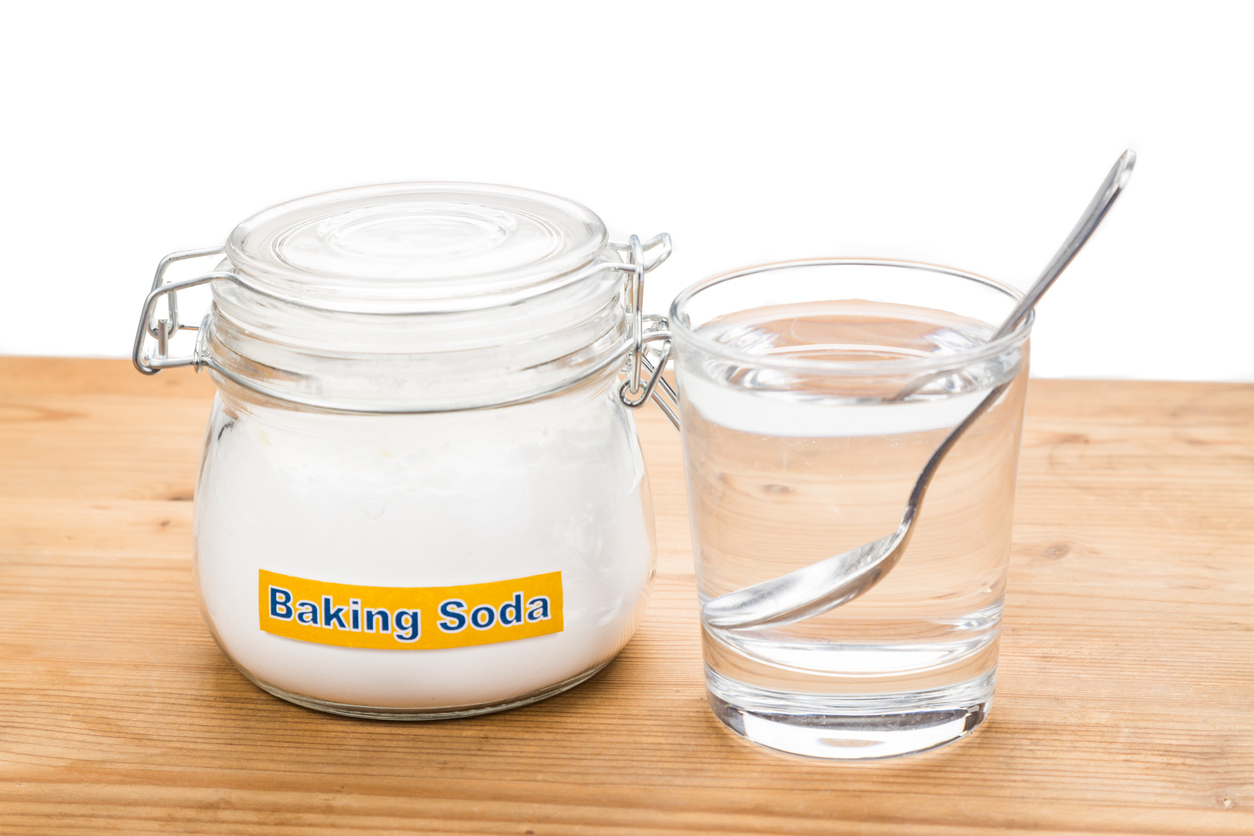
(786, 468)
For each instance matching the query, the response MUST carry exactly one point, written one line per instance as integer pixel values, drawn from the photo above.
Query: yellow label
(409, 618)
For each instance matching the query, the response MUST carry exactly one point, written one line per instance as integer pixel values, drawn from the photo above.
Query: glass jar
(421, 494)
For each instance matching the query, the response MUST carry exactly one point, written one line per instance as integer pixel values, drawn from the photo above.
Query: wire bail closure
(638, 259)
(645, 330)
(166, 327)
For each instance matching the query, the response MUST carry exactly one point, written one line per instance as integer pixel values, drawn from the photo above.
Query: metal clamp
(658, 249)
(625, 392)
(666, 397)
(632, 393)
(164, 328)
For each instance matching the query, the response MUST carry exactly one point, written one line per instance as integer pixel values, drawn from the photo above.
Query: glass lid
(413, 247)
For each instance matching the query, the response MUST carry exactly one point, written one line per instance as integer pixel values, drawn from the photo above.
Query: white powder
(425, 500)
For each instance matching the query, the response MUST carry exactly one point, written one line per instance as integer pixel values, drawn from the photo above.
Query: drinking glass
(811, 395)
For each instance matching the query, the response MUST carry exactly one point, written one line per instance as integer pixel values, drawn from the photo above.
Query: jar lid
(411, 247)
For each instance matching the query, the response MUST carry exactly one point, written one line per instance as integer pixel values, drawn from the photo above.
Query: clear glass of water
(799, 444)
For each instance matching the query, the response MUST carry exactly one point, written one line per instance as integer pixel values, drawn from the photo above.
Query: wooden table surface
(1125, 700)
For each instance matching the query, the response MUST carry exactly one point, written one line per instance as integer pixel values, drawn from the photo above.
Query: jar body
(442, 502)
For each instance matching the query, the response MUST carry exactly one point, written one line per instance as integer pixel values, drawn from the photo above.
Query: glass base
(442, 713)
(851, 727)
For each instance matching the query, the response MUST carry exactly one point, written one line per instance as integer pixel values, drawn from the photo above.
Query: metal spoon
(837, 580)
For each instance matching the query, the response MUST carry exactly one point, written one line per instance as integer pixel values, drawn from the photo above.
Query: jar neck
(425, 362)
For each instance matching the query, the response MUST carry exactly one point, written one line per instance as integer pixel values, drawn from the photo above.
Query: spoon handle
(1098, 207)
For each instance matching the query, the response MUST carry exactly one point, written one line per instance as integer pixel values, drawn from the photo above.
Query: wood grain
(1125, 699)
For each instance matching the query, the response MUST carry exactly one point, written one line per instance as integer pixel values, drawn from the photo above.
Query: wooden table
(1125, 699)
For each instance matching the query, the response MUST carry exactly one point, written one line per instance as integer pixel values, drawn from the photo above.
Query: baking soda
(546, 500)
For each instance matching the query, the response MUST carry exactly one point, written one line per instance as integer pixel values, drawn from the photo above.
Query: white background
(968, 134)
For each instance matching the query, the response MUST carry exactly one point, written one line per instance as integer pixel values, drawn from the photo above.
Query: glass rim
(958, 359)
